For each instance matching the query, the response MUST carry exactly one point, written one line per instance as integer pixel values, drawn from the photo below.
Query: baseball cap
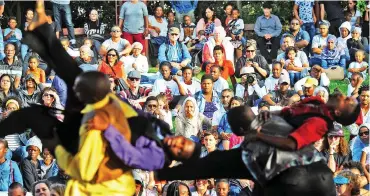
(246, 70)
(341, 180)
(134, 74)
(337, 130)
(174, 30)
(311, 82)
(283, 79)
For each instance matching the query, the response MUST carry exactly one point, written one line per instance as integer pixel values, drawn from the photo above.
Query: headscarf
(191, 125)
(342, 42)
(331, 54)
(357, 145)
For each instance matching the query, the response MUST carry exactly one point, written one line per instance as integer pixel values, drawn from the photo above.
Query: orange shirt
(38, 74)
(228, 68)
(119, 72)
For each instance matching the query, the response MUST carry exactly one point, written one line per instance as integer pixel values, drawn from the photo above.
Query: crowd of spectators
(274, 70)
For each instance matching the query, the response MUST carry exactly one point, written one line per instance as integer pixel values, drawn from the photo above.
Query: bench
(249, 30)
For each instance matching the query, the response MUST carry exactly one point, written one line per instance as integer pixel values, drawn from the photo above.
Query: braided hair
(173, 188)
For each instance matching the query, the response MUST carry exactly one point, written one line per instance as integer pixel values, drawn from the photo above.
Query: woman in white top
(157, 23)
(136, 61)
(355, 14)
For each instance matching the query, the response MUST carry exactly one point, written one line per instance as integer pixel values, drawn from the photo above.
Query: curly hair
(173, 188)
(342, 148)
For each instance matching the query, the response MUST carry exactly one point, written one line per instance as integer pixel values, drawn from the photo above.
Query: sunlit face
(93, 15)
(222, 189)
(5, 83)
(10, 51)
(161, 104)
(42, 189)
(215, 72)
(187, 75)
(218, 55)
(33, 63)
(84, 54)
(276, 71)
(321, 94)
(344, 32)
(88, 43)
(228, 9)
(29, 15)
(136, 51)
(12, 24)
(173, 36)
(225, 98)
(16, 192)
(308, 91)
(210, 142)
(364, 98)
(235, 103)
(166, 72)
(291, 55)
(267, 11)
(133, 82)
(324, 30)
(171, 17)
(48, 98)
(294, 25)
(187, 20)
(112, 56)
(183, 190)
(30, 83)
(189, 109)
(287, 42)
(351, 4)
(343, 189)
(284, 87)
(33, 152)
(116, 32)
(209, 13)
(11, 107)
(3, 150)
(207, 85)
(179, 146)
(331, 44)
(235, 14)
(201, 184)
(333, 140)
(359, 56)
(217, 36)
(151, 106)
(315, 72)
(65, 44)
(158, 12)
(363, 133)
(47, 155)
(355, 35)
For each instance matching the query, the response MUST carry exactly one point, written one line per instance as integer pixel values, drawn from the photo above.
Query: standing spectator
(95, 29)
(38, 73)
(192, 85)
(319, 42)
(301, 37)
(272, 82)
(28, 17)
(189, 122)
(365, 23)
(174, 52)
(281, 96)
(158, 24)
(360, 142)
(355, 14)
(209, 22)
(357, 42)
(316, 72)
(6, 87)
(116, 42)
(334, 13)
(9, 169)
(268, 29)
(30, 92)
(219, 83)
(184, 8)
(222, 188)
(31, 167)
(133, 19)
(171, 20)
(187, 28)
(220, 39)
(252, 59)
(228, 11)
(112, 66)
(136, 61)
(13, 34)
(11, 65)
(16, 189)
(304, 12)
(62, 12)
(235, 27)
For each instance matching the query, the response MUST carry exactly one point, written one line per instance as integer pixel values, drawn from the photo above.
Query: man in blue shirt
(268, 29)
(301, 37)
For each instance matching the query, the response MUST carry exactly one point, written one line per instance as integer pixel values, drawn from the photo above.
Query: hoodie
(342, 42)
(25, 97)
(357, 145)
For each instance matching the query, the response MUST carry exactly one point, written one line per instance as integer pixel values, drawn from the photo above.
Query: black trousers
(269, 56)
(334, 26)
(314, 179)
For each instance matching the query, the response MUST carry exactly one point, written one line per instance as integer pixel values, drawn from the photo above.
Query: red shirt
(117, 68)
(228, 68)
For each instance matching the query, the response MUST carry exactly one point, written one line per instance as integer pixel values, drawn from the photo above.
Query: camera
(250, 60)
(251, 77)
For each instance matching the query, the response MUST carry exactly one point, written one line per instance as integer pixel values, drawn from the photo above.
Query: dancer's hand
(40, 17)
(98, 122)
(51, 143)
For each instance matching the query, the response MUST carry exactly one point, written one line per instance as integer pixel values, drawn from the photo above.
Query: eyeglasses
(116, 31)
(134, 79)
(363, 133)
(152, 106)
(174, 34)
(48, 95)
(112, 55)
(250, 50)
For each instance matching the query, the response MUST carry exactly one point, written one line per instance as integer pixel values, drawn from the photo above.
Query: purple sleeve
(144, 155)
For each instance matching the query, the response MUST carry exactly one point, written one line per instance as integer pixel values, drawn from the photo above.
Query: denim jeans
(234, 191)
(61, 10)
(24, 50)
(96, 47)
(310, 28)
(294, 77)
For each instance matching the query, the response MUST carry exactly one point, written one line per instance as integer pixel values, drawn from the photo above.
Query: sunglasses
(250, 50)
(134, 79)
(113, 55)
(48, 95)
(333, 136)
(174, 34)
(152, 106)
(363, 133)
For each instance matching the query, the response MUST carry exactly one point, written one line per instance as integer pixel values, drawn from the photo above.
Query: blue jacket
(182, 52)
(184, 6)
(61, 88)
(9, 173)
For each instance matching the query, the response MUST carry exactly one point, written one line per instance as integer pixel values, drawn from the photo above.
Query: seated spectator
(348, 184)
(49, 165)
(57, 189)
(316, 72)
(332, 55)
(354, 85)
(136, 61)
(268, 29)
(50, 98)
(16, 189)
(364, 103)
(33, 68)
(252, 59)
(30, 167)
(169, 85)
(222, 187)
(122, 46)
(11, 65)
(235, 27)
(308, 89)
(293, 64)
(224, 129)
(135, 94)
(112, 66)
(360, 142)
(95, 29)
(171, 20)
(319, 42)
(209, 22)
(13, 34)
(301, 37)
(345, 34)
(365, 161)
(60, 86)
(282, 96)
(6, 87)
(248, 88)
(288, 41)
(66, 45)
(226, 65)
(357, 43)
(359, 66)
(187, 30)
(357, 169)
(174, 52)
(210, 139)
(191, 83)
(208, 99)
(189, 122)
(217, 39)
(336, 149)
(202, 188)
(322, 92)
(151, 106)
(196, 45)
(272, 82)
(158, 24)
(86, 57)
(9, 169)
(40, 64)
(219, 83)
(41, 188)
(164, 110)
(178, 188)
(226, 96)
(30, 92)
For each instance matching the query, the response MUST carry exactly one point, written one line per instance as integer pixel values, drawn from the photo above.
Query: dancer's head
(91, 87)
(240, 119)
(345, 110)
(180, 148)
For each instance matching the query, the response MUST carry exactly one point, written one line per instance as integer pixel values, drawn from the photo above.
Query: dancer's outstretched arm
(218, 164)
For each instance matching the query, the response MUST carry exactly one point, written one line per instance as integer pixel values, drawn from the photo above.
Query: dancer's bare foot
(41, 17)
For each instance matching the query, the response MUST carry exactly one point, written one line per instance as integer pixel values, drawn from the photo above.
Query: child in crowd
(38, 73)
(235, 27)
(359, 66)
(65, 43)
(164, 109)
(365, 160)
(13, 34)
(293, 65)
(332, 55)
(224, 128)
(198, 42)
